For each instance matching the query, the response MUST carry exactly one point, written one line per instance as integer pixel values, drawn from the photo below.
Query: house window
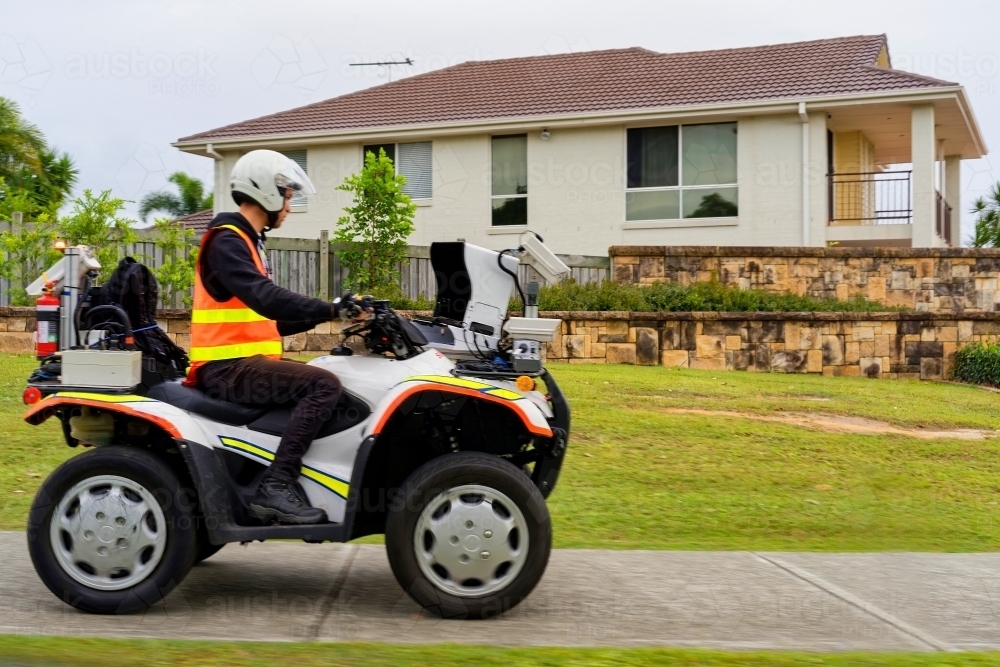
(299, 200)
(681, 171)
(509, 175)
(412, 160)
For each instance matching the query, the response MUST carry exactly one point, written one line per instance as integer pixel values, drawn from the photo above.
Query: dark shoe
(285, 502)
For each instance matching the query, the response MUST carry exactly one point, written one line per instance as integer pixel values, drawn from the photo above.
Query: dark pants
(262, 381)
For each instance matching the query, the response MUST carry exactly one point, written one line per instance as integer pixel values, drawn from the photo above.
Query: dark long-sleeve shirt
(228, 269)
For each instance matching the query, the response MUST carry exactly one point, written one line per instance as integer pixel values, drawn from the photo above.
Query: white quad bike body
(407, 425)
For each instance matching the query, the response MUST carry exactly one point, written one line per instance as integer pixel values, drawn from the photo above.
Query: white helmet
(264, 175)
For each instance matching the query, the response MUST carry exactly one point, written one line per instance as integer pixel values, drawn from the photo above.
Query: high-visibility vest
(228, 329)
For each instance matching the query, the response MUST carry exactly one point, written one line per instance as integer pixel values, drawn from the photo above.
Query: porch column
(953, 195)
(923, 152)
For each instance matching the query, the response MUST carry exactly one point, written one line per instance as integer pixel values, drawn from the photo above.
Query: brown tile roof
(197, 221)
(597, 81)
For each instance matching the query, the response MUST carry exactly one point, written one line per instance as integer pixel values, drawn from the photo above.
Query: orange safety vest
(228, 329)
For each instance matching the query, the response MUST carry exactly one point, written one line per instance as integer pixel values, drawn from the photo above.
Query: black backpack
(133, 288)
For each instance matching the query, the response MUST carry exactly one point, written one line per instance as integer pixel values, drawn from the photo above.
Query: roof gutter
(211, 152)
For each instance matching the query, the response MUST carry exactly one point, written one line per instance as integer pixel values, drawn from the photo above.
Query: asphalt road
(729, 600)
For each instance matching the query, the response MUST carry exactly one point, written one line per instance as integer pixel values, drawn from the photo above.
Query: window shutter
(299, 158)
(415, 163)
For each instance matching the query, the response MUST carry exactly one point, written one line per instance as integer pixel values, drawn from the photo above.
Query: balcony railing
(870, 198)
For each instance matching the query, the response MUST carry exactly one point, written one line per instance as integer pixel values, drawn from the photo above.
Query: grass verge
(67, 652)
(638, 476)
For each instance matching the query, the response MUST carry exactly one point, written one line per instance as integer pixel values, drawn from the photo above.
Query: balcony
(877, 207)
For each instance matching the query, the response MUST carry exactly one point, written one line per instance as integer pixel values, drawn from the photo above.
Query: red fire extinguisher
(46, 323)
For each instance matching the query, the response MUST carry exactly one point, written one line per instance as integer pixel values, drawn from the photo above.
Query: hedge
(978, 363)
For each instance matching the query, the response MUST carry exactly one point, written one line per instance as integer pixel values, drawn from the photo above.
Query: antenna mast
(386, 64)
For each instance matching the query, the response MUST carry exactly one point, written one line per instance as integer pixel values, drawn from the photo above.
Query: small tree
(987, 210)
(26, 249)
(95, 222)
(176, 274)
(377, 224)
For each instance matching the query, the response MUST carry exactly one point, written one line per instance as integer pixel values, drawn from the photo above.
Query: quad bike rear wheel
(109, 531)
(469, 536)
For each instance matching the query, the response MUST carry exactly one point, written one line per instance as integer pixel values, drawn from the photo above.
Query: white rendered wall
(576, 189)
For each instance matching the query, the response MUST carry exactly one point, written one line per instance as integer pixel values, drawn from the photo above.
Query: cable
(517, 283)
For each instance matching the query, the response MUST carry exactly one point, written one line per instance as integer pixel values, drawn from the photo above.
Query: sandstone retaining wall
(939, 280)
(876, 345)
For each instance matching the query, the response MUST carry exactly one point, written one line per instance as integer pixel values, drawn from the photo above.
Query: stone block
(928, 334)
(740, 360)
(784, 361)
(626, 273)
(924, 349)
(842, 291)
(613, 338)
(852, 353)
(867, 348)
(946, 334)
(574, 346)
(179, 326)
(909, 327)
(876, 289)
(598, 350)
(833, 350)
(722, 328)
(814, 361)
(767, 332)
(810, 338)
(587, 361)
(949, 359)
(688, 336)
(931, 368)
(793, 335)
(863, 332)
(647, 346)
(183, 340)
(989, 327)
(718, 364)
(871, 367)
(882, 345)
(965, 331)
(710, 347)
(733, 342)
(17, 342)
(319, 342)
(620, 353)
(295, 343)
(651, 269)
(17, 324)
(674, 358)
(617, 327)
(322, 328)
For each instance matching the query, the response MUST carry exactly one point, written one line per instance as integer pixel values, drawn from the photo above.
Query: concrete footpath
(728, 600)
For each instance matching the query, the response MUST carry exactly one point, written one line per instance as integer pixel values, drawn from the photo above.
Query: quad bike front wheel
(469, 536)
(110, 532)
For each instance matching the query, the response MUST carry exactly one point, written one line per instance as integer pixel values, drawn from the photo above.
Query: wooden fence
(313, 268)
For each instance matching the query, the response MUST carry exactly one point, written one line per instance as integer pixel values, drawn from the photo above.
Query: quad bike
(448, 438)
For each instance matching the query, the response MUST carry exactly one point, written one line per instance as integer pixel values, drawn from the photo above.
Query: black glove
(350, 307)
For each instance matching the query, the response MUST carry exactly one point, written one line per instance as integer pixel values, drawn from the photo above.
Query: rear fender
(172, 420)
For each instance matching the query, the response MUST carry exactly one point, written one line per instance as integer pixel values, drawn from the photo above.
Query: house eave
(587, 119)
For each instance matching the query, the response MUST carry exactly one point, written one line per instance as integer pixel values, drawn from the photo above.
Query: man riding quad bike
(433, 434)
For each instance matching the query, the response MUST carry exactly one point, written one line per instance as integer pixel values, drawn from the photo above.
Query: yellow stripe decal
(504, 393)
(225, 316)
(490, 389)
(104, 398)
(327, 481)
(237, 351)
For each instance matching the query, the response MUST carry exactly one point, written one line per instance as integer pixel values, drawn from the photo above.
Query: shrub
(705, 296)
(978, 363)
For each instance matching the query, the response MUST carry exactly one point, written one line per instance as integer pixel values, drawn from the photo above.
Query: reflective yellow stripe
(106, 398)
(225, 316)
(247, 447)
(453, 381)
(504, 393)
(328, 482)
(237, 351)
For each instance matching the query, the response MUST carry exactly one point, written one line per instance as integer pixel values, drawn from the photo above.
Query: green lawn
(52, 652)
(637, 476)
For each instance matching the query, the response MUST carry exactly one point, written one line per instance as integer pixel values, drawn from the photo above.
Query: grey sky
(113, 83)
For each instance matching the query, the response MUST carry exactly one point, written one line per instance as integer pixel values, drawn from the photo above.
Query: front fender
(530, 414)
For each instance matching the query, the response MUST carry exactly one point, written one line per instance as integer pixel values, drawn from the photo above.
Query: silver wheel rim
(471, 541)
(108, 533)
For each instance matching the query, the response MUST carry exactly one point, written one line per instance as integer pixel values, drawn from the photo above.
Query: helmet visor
(292, 176)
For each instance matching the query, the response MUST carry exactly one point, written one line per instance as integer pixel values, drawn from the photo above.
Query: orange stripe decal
(41, 411)
(532, 428)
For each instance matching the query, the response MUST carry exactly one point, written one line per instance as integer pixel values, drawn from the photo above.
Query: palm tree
(987, 210)
(21, 143)
(50, 184)
(190, 200)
